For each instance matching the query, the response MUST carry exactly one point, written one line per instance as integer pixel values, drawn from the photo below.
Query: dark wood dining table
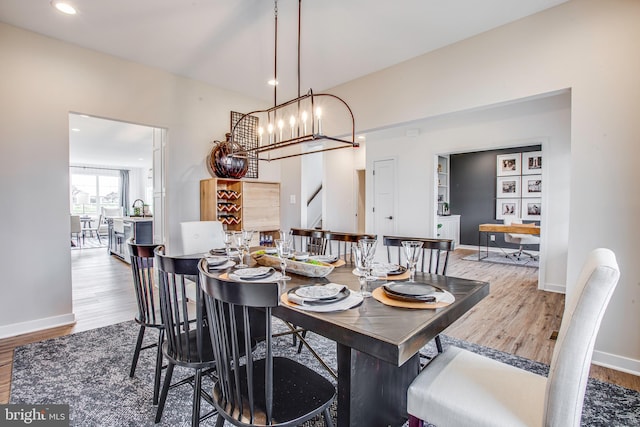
(378, 345)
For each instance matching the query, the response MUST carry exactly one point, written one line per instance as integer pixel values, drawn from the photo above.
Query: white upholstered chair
(76, 228)
(201, 236)
(520, 239)
(461, 388)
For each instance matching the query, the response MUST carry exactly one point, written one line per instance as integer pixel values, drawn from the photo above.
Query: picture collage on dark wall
(519, 185)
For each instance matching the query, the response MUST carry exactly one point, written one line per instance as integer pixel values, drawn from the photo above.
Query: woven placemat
(381, 296)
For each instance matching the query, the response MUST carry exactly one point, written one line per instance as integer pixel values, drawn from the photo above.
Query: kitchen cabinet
(122, 229)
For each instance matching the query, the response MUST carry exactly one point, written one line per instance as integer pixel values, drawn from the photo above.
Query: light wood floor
(515, 317)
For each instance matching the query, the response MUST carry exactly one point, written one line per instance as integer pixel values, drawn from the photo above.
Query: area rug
(90, 243)
(90, 372)
(501, 258)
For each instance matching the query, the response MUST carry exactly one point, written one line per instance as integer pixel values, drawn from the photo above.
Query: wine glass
(239, 238)
(284, 250)
(412, 249)
(361, 269)
(368, 248)
(227, 238)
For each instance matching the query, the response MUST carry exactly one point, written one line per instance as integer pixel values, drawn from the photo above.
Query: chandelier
(295, 127)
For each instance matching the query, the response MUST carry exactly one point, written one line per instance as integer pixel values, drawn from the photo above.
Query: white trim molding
(613, 361)
(14, 329)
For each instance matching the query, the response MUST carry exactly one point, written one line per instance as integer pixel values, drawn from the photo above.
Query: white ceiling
(230, 43)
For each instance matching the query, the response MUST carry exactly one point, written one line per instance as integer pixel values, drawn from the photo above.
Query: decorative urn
(226, 159)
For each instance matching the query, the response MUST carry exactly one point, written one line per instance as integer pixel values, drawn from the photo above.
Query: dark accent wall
(472, 191)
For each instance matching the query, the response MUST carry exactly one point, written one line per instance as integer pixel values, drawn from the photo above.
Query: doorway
(384, 201)
(112, 164)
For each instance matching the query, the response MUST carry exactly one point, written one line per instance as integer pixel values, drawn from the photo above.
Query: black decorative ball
(226, 160)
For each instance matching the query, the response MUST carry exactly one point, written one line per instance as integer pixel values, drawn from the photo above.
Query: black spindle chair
(341, 243)
(269, 390)
(186, 327)
(309, 240)
(148, 307)
(435, 258)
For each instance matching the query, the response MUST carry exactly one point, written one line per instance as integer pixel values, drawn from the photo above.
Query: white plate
(301, 256)
(248, 273)
(215, 260)
(317, 292)
(325, 258)
(227, 264)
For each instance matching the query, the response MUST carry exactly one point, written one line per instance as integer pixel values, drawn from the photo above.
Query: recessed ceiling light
(141, 159)
(273, 82)
(75, 129)
(63, 7)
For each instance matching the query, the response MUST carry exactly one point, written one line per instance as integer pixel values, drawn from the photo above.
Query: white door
(384, 200)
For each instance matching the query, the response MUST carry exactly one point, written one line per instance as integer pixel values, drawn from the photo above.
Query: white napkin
(269, 279)
(354, 299)
(297, 299)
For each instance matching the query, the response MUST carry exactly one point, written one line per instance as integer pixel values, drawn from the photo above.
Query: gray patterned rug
(90, 372)
(501, 258)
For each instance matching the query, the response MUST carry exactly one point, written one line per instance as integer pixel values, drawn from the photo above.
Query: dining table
(377, 344)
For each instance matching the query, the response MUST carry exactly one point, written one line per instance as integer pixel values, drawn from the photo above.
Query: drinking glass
(227, 237)
(284, 250)
(247, 235)
(239, 238)
(368, 249)
(412, 250)
(362, 271)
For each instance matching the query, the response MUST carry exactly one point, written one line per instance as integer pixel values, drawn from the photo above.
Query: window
(93, 189)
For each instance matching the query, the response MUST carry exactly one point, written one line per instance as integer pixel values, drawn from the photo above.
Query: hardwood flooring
(516, 317)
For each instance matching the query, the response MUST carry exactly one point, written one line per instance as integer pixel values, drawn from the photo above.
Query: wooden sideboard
(239, 204)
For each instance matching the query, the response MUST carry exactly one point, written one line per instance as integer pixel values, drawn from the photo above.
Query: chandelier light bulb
(280, 126)
(260, 132)
(303, 117)
(319, 116)
(292, 124)
(270, 131)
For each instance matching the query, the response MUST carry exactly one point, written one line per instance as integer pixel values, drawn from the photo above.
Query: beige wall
(42, 81)
(589, 46)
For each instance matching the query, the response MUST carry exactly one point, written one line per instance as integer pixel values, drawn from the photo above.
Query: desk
(377, 345)
(502, 228)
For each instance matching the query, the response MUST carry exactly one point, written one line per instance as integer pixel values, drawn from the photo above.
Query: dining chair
(462, 388)
(257, 390)
(76, 228)
(187, 340)
(341, 243)
(149, 315)
(93, 228)
(435, 258)
(435, 253)
(309, 240)
(201, 236)
(520, 240)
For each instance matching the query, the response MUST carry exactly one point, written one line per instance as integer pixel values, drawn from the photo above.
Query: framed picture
(507, 208)
(507, 187)
(532, 163)
(508, 164)
(531, 209)
(532, 186)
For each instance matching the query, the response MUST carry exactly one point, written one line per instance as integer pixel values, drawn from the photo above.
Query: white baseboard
(14, 329)
(619, 363)
(552, 287)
